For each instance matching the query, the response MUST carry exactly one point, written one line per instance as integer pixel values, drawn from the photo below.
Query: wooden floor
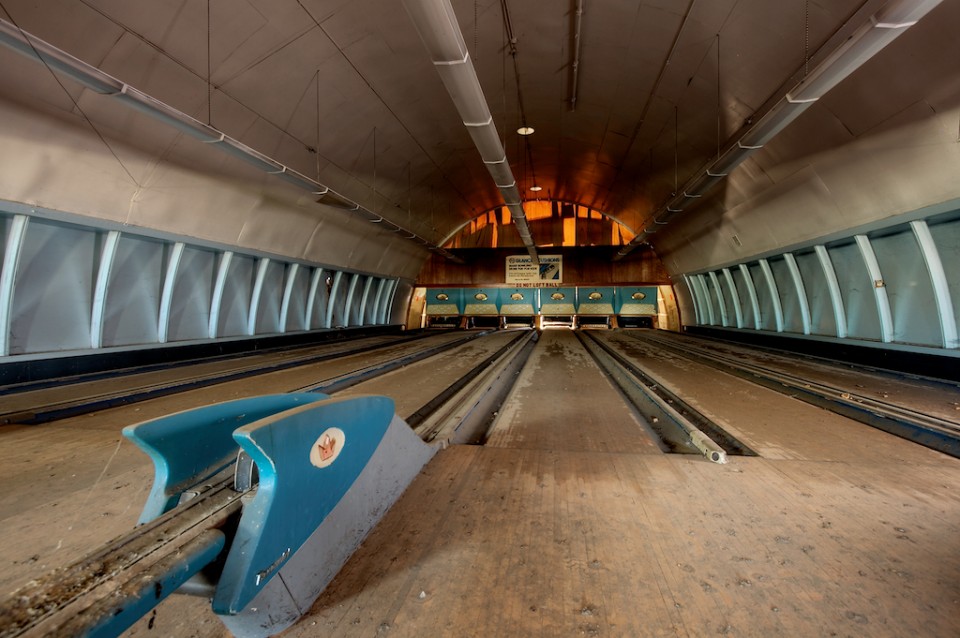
(508, 542)
(571, 522)
(563, 401)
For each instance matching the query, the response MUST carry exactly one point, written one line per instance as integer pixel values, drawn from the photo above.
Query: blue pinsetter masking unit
(596, 301)
(517, 302)
(558, 301)
(636, 300)
(191, 446)
(444, 302)
(328, 469)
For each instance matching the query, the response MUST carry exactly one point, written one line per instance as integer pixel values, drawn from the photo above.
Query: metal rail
(930, 431)
(466, 415)
(435, 403)
(680, 426)
(112, 566)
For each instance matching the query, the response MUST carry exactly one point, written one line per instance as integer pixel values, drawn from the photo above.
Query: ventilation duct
(437, 25)
(882, 28)
(96, 80)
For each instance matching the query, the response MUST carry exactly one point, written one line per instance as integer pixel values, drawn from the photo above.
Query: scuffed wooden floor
(507, 542)
(572, 523)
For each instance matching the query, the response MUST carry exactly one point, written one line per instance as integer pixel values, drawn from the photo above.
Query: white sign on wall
(522, 270)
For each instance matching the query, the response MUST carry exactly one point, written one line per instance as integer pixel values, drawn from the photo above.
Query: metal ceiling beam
(98, 81)
(869, 39)
(575, 65)
(437, 25)
(614, 219)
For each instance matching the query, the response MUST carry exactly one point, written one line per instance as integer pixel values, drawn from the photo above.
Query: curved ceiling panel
(345, 93)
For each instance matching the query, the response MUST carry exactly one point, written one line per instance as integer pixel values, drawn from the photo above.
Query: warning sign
(522, 270)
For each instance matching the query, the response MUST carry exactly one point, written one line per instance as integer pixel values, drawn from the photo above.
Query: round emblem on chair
(327, 448)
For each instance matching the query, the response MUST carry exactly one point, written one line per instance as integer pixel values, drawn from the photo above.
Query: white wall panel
(896, 284)
(747, 294)
(707, 300)
(912, 304)
(190, 308)
(321, 299)
(833, 289)
(337, 304)
(297, 303)
(386, 304)
(946, 237)
(856, 288)
(235, 303)
(789, 301)
(399, 300)
(764, 298)
(13, 230)
(735, 307)
(351, 303)
(53, 289)
(822, 321)
(271, 296)
(688, 303)
(938, 280)
(133, 302)
(724, 299)
(708, 315)
(379, 299)
(53, 283)
(363, 311)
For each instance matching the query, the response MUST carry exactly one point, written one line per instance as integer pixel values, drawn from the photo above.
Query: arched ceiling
(345, 92)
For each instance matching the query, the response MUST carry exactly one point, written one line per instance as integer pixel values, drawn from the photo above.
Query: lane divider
(677, 422)
(930, 431)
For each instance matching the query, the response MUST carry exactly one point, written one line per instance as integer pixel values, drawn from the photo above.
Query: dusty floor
(570, 522)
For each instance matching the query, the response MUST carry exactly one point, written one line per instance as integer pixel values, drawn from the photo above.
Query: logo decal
(327, 448)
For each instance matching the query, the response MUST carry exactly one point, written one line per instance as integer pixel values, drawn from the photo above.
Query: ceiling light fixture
(525, 130)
